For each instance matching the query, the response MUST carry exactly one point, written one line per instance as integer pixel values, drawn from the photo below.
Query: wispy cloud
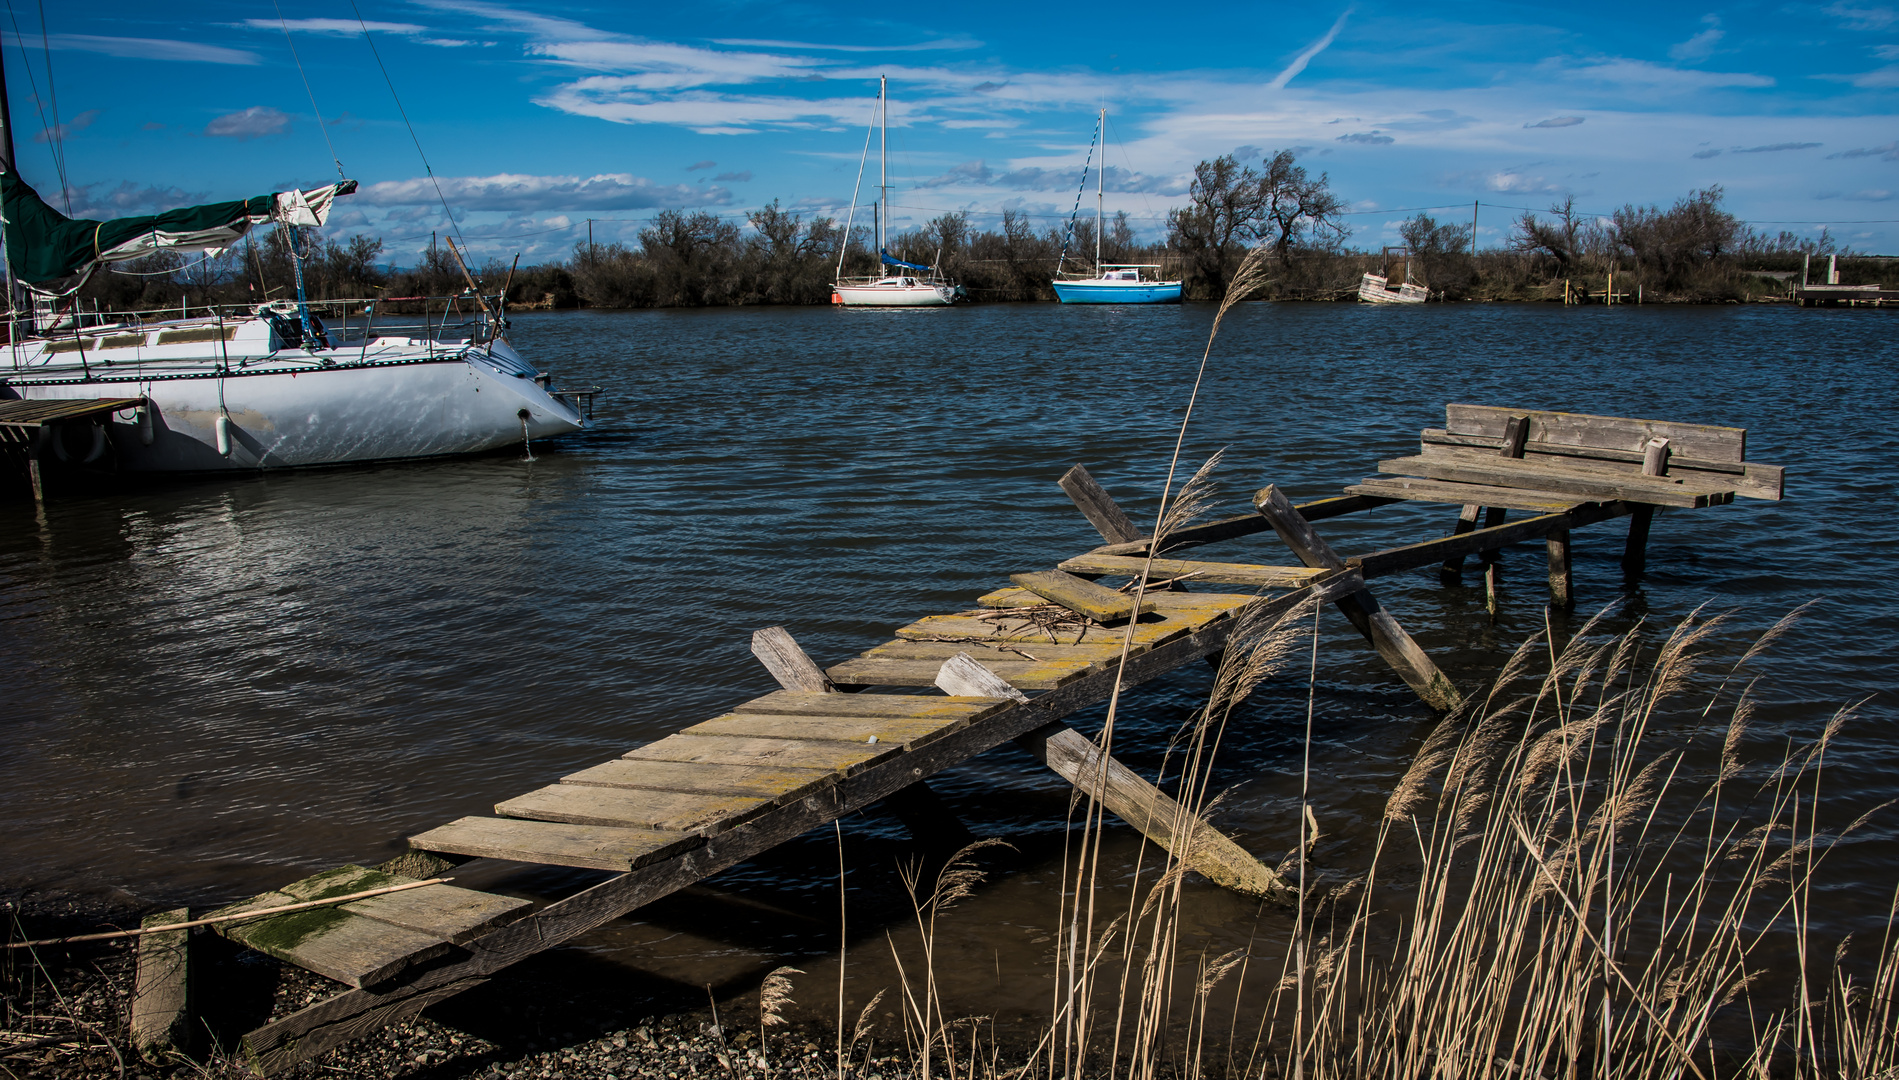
(1371, 138)
(697, 165)
(1701, 46)
(252, 123)
(1772, 148)
(1299, 62)
(527, 193)
(939, 45)
(1857, 17)
(1036, 178)
(68, 129)
(144, 49)
(1653, 76)
(1888, 152)
(333, 27)
(740, 177)
(1556, 122)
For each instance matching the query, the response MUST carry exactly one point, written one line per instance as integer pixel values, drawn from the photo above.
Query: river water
(215, 686)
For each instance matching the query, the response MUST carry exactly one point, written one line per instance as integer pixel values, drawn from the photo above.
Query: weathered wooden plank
(1124, 792)
(326, 1024)
(797, 753)
(1660, 491)
(1215, 573)
(1562, 596)
(551, 843)
(958, 628)
(351, 949)
(1417, 489)
(1378, 564)
(850, 729)
(1018, 672)
(671, 811)
(1361, 607)
(787, 662)
(1246, 525)
(1167, 604)
(905, 649)
(1102, 604)
(1708, 442)
(1098, 506)
(776, 783)
(162, 1023)
(446, 911)
(900, 706)
(1533, 449)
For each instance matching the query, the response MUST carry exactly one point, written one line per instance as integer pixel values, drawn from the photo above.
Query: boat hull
(1374, 289)
(320, 416)
(1118, 292)
(920, 295)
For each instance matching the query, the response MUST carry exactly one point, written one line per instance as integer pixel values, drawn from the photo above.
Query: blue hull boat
(1111, 291)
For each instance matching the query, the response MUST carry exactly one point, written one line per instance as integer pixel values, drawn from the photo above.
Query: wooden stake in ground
(161, 1008)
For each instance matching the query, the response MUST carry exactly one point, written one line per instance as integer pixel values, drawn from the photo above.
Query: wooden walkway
(23, 420)
(676, 811)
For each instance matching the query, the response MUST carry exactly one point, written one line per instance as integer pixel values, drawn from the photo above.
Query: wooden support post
(1635, 552)
(1099, 507)
(1561, 596)
(788, 663)
(162, 1024)
(1078, 760)
(1516, 433)
(1361, 607)
(1490, 591)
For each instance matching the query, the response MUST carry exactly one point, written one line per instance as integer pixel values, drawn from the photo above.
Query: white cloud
(254, 122)
(1556, 122)
(1701, 46)
(1372, 138)
(1643, 73)
(1062, 178)
(1299, 62)
(1878, 79)
(1863, 18)
(1775, 147)
(525, 193)
(1888, 152)
(923, 46)
(144, 49)
(333, 27)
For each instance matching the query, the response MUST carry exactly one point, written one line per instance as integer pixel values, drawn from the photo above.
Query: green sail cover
(46, 246)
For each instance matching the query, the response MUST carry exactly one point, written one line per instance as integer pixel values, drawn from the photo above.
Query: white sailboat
(903, 284)
(257, 386)
(1112, 283)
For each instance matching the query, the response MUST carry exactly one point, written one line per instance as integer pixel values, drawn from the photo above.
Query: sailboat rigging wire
(426, 167)
(844, 246)
(54, 135)
(39, 104)
(298, 60)
(1079, 188)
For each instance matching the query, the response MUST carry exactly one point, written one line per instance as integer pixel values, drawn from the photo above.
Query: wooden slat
(1444, 491)
(1098, 506)
(351, 949)
(672, 811)
(1245, 525)
(903, 649)
(846, 729)
(787, 662)
(1216, 573)
(1705, 441)
(1102, 604)
(32, 412)
(445, 911)
(1019, 673)
(776, 783)
(899, 706)
(1659, 491)
(550, 843)
(1533, 449)
(959, 627)
(840, 757)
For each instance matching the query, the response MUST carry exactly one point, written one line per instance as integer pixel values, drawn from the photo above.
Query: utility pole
(1473, 226)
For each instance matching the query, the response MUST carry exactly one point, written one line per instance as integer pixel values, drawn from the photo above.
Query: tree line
(1693, 250)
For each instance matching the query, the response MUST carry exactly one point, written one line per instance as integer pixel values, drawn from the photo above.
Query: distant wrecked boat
(1390, 287)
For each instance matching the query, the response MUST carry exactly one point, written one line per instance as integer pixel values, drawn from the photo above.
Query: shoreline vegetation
(1691, 252)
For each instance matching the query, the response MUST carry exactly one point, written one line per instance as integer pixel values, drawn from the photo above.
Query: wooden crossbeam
(1079, 761)
(1099, 507)
(1456, 546)
(1361, 607)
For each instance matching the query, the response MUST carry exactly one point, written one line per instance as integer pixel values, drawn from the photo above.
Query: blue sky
(535, 118)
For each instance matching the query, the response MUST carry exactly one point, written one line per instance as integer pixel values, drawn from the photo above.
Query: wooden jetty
(673, 812)
(27, 425)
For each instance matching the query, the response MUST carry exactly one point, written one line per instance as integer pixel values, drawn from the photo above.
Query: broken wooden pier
(949, 687)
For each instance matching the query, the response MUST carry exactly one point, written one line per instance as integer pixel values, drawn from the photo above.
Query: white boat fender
(224, 433)
(144, 417)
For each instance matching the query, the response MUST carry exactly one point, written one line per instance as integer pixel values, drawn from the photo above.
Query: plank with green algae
(839, 757)
(905, 649)
(777, 783)
(1215, 573)
(1102, 604)
(896, 706)
(849, 729)
(352, 949)
(1167, 604)
(670, 811)
(551, 843)
(1017, 672)
(957, 628)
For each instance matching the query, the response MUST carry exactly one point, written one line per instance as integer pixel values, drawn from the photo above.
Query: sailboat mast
(6, 122)
(1101, 133)
(883, 159)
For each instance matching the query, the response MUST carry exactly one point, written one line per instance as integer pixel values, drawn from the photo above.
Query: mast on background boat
(883, 160)
(1101, 129)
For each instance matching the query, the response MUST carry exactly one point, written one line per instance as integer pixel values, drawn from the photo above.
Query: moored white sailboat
(252, 386)
(1112, 283)
(903, 284)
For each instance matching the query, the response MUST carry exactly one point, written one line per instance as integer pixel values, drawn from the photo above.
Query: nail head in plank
(918, 671)
(850, 729)
(1216, 573)
(670, 811)
(903, 706)
(597, 847)
(776, 783)
(844, 758)
(1098, 602)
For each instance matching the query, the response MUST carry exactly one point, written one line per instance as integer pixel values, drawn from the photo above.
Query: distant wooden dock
(1009, 669)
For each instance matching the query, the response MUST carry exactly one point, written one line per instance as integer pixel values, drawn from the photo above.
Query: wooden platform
(21, 421)
(1009, 668)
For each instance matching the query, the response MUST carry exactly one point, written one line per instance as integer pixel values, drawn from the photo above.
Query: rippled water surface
(214, 686)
